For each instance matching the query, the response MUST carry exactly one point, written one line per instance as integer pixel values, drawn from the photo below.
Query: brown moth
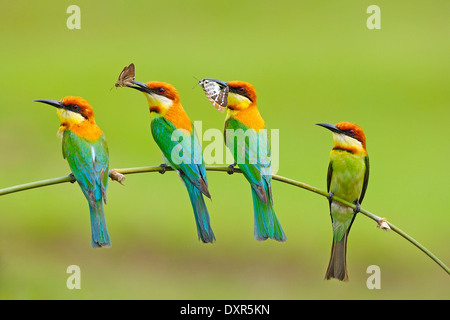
(126, 76)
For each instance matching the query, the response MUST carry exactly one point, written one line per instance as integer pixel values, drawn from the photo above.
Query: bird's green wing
(329, 175)
(366, 179)
(251, 151)
(182, 150)
(88, 162)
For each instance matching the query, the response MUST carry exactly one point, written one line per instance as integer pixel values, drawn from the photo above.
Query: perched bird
(174, 133)
(246, 137)
(84, 147)
(348, 176)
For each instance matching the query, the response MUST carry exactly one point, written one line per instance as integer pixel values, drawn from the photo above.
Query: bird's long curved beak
(55, 103)
(331, 127)
(140, 86)
(221, 83)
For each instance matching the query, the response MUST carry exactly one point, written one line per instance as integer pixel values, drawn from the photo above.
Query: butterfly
(126, 76)
(216, 91)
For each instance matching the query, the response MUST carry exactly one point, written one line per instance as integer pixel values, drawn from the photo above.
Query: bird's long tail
(266, 221)
(337, 267)
(204, 230)
(100, 236)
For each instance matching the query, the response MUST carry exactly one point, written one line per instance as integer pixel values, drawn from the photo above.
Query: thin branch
(118, 175)
(36, 184)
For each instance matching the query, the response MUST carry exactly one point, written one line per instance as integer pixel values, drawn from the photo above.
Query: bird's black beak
(331, 127)
(140, 86)
(57, 104)
(221, 83)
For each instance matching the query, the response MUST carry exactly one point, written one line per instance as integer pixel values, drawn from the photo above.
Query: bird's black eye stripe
(159, 91)
(238, 91)
(352, 134)
(75, 108)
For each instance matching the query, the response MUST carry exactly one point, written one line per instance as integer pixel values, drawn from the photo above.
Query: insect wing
(126, 76)
(216, 94)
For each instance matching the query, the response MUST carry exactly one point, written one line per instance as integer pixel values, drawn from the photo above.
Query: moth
(126, 76)
(216, 91)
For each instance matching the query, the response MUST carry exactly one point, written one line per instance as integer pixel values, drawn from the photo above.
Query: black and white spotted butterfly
(216, 91)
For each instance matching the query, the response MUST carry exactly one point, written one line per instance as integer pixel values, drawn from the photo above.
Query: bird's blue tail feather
(266, 221)
(204, 230)
(100, 236)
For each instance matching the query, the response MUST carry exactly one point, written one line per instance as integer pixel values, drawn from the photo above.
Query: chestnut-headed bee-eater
(242, 114)
(348, 176)
(84, 147)
(168, 120)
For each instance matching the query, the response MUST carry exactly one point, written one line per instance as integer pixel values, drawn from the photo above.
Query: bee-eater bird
(168, 120)
(84, 147)
(242, 113)
(348, 176)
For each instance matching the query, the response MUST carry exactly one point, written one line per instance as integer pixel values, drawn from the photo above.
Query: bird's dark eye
(351, 132)
(161, 90)
(75, 107)
(241, 90)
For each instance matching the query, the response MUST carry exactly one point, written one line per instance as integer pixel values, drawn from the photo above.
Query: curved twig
(118, 175)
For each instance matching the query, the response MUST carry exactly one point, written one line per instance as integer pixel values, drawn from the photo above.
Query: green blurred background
(310, 62)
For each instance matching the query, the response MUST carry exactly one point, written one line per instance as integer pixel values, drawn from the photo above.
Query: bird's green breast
(348, 174)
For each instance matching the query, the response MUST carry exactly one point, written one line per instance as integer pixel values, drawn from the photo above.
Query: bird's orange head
(163, 100)
(77, 115)
(347, 136)
(161, 96)
(241, 95)
(72, 110)
(354, 131)
(79, 105)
